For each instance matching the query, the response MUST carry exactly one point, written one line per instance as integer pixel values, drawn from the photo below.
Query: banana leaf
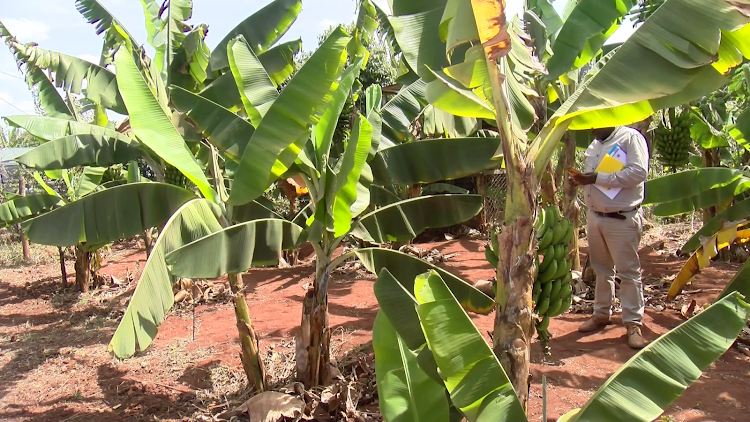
(399, 113)
(89, 181)
(190, 62)
(739, 283)
(451, 96)
(81, 150)
(21, 208)
(417, 36)
(437, 188)
(381, 196)
(406, 219)
(669, 60)
(279, 60)
(277, 141)
(153, 295)
(152, 124)
(705, 199)
(406, 268)
(657, 375)
(434, 160)
(740, 130)
(234, 249)
(406, 392)
(109, 215)
(255, 210)
(691, 183)
(49, 98)
(326, 127)
(225, 130)
(98, 15)
(346, 192)
(477, 384)
(256, 89)
(587, 28)
(51, 128)
(261, 29)
(70, 73)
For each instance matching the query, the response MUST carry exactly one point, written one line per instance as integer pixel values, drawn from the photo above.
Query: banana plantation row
(479, 90)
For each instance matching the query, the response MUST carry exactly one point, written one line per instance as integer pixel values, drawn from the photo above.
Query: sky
(56, 25)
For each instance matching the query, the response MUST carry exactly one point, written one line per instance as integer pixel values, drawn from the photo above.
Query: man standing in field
(614, 227)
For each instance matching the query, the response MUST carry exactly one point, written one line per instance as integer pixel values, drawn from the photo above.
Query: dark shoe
(635, 337)
(594, 323)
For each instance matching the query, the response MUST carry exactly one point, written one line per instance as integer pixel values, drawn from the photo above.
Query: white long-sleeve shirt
(631, 178)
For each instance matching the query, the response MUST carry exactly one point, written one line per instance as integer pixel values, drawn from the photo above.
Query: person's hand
(583, 179)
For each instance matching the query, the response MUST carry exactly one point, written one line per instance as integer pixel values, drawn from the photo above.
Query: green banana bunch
(672, 140)
(552, 292)
(175, 177)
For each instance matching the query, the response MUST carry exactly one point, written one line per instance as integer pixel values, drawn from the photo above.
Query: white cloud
(27, 30)
(326, 23)
(89, 57)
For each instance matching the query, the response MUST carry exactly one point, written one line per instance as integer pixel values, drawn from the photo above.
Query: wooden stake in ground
(24, 240)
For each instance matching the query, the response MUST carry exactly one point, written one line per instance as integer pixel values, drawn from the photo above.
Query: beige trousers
(613, 244)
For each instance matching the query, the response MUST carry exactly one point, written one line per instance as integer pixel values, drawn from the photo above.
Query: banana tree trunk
(570, 207)
(251, 362)
(83, 268)
(63, 271)
(314, 339)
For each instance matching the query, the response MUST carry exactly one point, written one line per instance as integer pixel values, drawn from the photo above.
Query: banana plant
(431, 358)
(657, 67)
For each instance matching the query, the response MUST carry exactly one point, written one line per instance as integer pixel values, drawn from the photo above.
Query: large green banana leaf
(51, 128)
(261, 29)
(406, 267)
(406, 393)
(255, 210)
(153, 295)
(669, 60)
(190, 63)
(81, 150)
(225, 130)
(279, 60)
(89, 181)
(152, 124)
(418, 37)
(740, 130)
(740, 210)
(434, 160)
(396, 300)
(22, 207)
(584, 32)
(477, 384)
(71, 72)
(699, 188)
(406, 219)
(285, 128)
(50, 100)
(108, 215)
(399, 113)
(223, 91)
(655, 377)
(234, 249)
(98, 15)
(705, 199)
(256, 88)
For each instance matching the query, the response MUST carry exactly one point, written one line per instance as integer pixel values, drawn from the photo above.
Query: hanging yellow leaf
(710, 247)
(493, 33)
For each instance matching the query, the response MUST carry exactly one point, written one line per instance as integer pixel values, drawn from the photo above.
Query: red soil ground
(55, 366)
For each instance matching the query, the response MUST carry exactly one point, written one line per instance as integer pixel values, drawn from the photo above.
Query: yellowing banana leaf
(709, 248)
(153, 126)
(346, 192)
(257, 91)
(261, 29)
(70, 73)
(589, 25)
(657, 375)
(50, 100)
(81, 150)
(108, 215)
(405, 391)
(406, 219)
(23, 207)
(477, 384)
(740, 210)
(51, 128)
(225, 130)
(667, 61)
(153, 295)
(434, 160)
(285, 128)
(406, 267)
(235, 249)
